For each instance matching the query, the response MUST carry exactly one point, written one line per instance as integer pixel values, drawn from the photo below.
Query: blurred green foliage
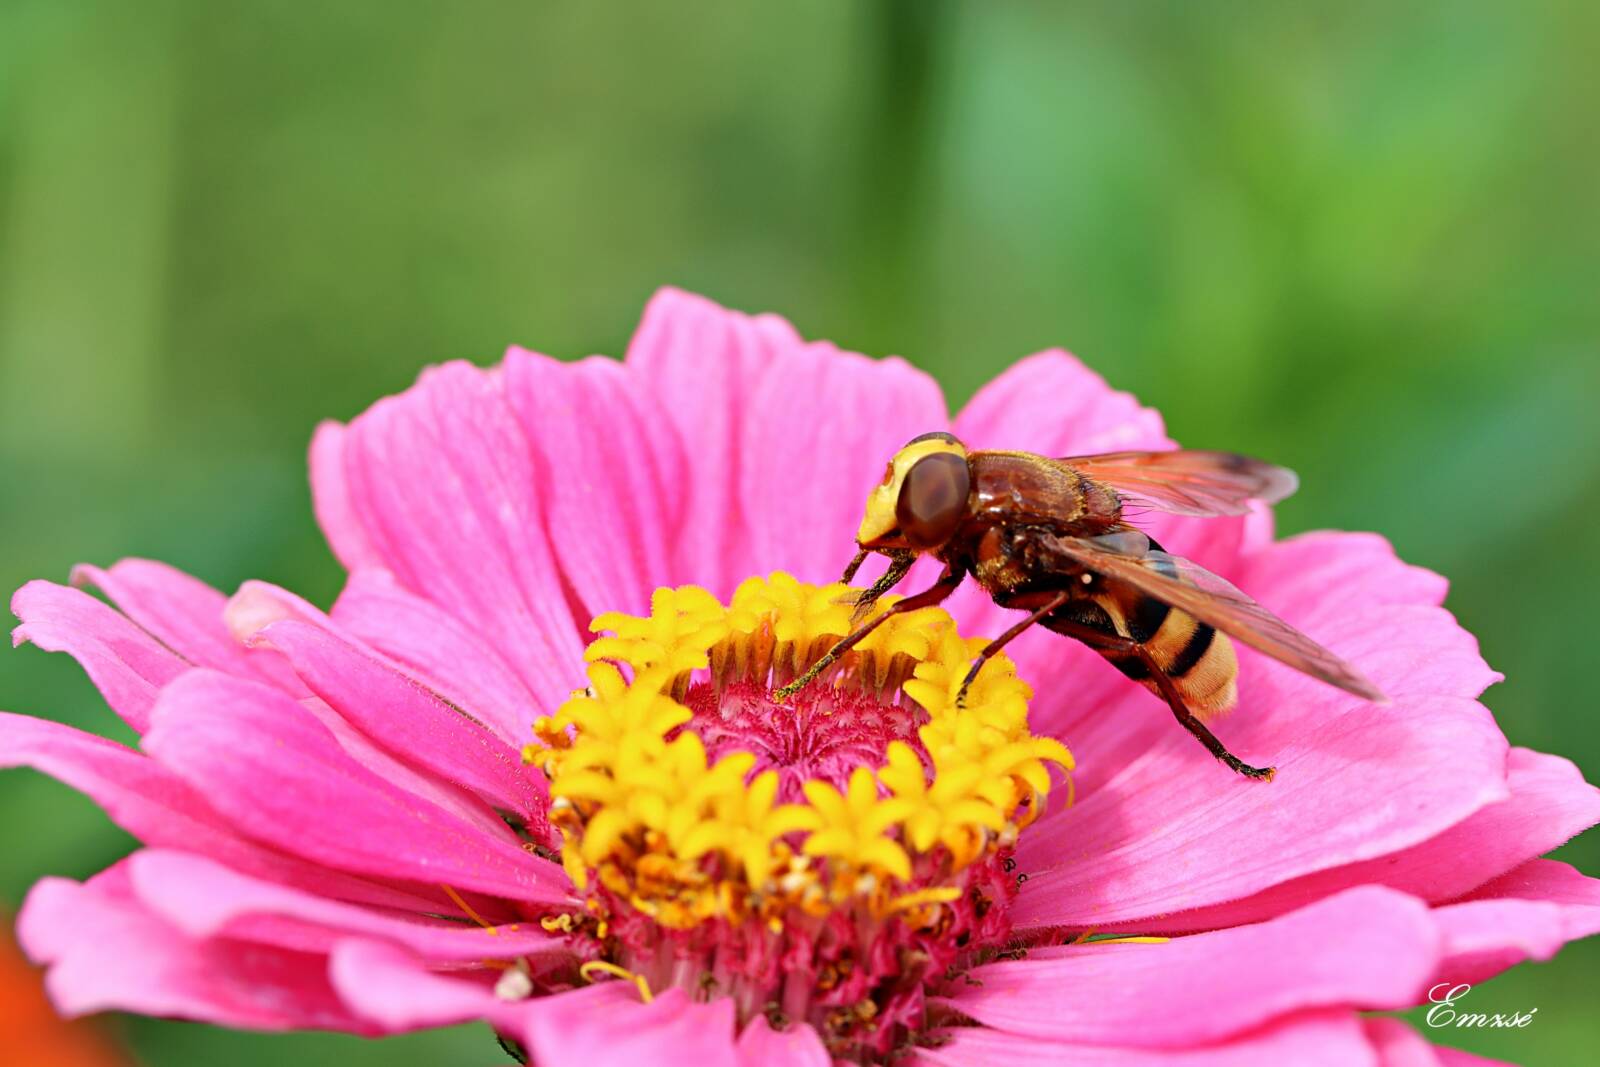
(1361, 238)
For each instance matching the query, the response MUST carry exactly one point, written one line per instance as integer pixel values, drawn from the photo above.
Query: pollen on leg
(829, 857)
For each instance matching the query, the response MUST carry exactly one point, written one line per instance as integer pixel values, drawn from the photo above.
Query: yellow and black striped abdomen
(1199, 659)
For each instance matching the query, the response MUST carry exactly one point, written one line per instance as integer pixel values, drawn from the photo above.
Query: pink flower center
(821, 734)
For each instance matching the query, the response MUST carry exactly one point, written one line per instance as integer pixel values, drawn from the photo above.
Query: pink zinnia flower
(341, 831)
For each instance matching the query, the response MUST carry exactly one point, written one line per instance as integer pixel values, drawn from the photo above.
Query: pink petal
(124, 662)
(1331, 572)
(153, 805)
(1484, 937)
(206, 899)
(392, 988)
(1324, 1039)
(1368, 948)
(184, 613)
(1549, 804)
(440, 650)
(601, 1025)
(1406, 650)
(1050, 403)
(701, 362)
(1549, 880)
(137, 793)
(613, 474)
(444, 482)
(797, 1045)
(330, 498)
(1351, 593)
(1398, 1045)
(820, 427)
(1454, 1057)
(106, 951)
(1172, 830)
(265, 761)
(599, 1029)
(1528, 913)
(407, 719)
(258, 606)
(592, 1025)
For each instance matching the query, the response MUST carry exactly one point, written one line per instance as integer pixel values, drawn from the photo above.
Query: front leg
(934, 594)
(900, 563)
(854, 565)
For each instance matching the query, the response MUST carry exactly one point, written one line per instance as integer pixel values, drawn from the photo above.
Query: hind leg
(1103, 642)
(1188, 721)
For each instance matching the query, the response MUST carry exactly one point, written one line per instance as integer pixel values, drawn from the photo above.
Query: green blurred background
(1360, 238)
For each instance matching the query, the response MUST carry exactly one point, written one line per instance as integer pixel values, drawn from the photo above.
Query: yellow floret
(950, 812)
(682, 626)
(851, 826)
(744, 826)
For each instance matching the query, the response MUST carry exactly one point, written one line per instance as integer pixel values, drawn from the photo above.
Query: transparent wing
(1127, 557)
(1188, 482)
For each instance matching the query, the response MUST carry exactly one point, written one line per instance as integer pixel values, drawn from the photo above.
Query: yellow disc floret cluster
(684, 839)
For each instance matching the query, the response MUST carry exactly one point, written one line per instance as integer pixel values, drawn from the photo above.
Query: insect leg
(934, 594)
(1000, 642)
(1187, 720)
(854, 565)
(1101, 641)
(900, 563)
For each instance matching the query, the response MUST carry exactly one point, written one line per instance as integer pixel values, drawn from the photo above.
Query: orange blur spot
(31, 1033)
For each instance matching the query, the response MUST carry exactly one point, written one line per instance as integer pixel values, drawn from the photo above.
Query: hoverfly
(1048, 536)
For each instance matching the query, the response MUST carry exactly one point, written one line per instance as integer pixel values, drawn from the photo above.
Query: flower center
(824, 859)
(822, 734)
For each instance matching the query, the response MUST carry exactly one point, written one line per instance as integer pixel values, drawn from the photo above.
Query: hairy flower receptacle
(828, 858)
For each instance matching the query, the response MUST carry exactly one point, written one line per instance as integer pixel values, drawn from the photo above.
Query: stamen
(1088, 938)
(594, 967)
(467, 908)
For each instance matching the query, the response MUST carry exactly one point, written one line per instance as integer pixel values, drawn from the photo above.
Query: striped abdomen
(1199, 659)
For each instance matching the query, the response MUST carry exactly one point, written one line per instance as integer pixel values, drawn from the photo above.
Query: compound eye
(933, 500)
